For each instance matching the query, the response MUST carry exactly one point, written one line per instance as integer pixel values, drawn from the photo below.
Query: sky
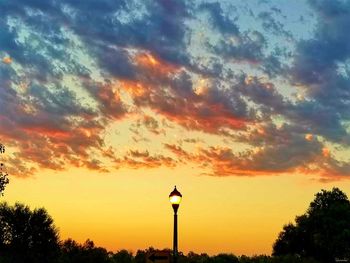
(105, 105)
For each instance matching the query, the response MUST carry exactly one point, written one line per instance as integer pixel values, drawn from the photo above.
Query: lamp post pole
(175, 199)
(175, 237)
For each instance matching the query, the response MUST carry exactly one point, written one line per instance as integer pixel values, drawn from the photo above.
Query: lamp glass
(175, 199)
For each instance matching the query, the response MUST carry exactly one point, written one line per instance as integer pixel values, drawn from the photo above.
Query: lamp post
(175, 199)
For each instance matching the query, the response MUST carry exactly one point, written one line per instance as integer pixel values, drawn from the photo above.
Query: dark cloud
(316, 58)
(281, 149)
(319, 119)
(251, 46)
(208, 107)
(108, 98)
(159, 29)
(264, 94)
(316, 67)
(116, 61)
(232, 43)
(270, 24)
(218, 19)
(248, 47)
(48, 128)
(142, 159)
(59, 101)
(152, 125)
(277, 150)
(272, 65)
(213, 68)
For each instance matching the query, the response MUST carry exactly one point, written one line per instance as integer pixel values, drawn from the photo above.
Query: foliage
(26, 235)
(122, 256)
(3, 175)
(72, 252)
(322, 233)
(197, 258)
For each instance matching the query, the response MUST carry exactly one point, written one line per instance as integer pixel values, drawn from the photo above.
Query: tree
(197, 258)
(322, 233)
(26, 235)
(122, 256)
(3, 175)
(72, 252)
(224, 258)
(140, 256)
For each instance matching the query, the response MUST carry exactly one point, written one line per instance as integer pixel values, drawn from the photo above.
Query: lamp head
(175, 199)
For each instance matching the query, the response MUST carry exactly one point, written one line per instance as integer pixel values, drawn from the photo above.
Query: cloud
(108, 98)
(218, 20)
(270, 24)
(233, 44)
(162, 23)
(48, 128)
(7, 60)
(274, 151)
(152, 125)
(173, 94)
(248, 47)
(142, 159)
(316, 68)
(263, 93)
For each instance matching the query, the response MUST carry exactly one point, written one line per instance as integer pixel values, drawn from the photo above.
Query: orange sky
(130, 208)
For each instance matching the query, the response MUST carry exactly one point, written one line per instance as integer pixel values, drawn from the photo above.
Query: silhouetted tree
(323, 232)
(3, 175)
(140, 256)
(197, 258)
(255, 259)
(222, 257)
(122, 256)
(26, 235)
(225, 258)
(293, 259)
(72, 252)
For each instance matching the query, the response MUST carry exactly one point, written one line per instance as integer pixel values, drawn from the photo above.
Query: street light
(175, 199)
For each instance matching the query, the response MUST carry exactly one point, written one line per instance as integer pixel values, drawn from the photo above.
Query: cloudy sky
(105, 105)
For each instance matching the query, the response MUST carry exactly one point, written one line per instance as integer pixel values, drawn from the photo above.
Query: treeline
(69, 251)
(191, 257)
(88, 253)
